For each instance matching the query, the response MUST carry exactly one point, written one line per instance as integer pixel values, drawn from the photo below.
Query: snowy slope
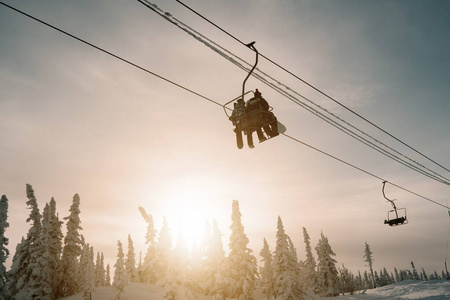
(424, 290)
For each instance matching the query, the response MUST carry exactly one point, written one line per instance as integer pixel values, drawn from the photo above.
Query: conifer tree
(130, 262)
(51, 243)
(368, 259)
(216, 262)
(310, 274)
(266, 273)
(162, 253)
(86, 271)
(150, 260)
(241, 262)
(71, 251)
(108, 276)
(346, 281)
(327, 272)
(120, 277)
(415, 274)
(286, 285)
(4, 252)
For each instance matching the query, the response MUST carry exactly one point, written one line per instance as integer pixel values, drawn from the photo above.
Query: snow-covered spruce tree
(326, 269)
(309, 272)
(266, 272)
(99, 270)
(149, 266)
(108, 276)
(130, 262)
(4, 252)
(414, 271)
(216, 276)
(346, 281)
(369, 260)
(34, 279)
(54, 246)
(286, 285)
(297, 265)
(86, 281)
(425, 276)
(241, 262)
(177, 268)
(71, 251)
(120, 277)
(163, 254)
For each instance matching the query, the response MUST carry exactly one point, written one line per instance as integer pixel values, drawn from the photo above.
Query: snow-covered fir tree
(108, 276)
(241, 262)
(369, 260)
(266, 272)
(4, 252)
(346, 281)
(99, 270)
(86, 273)
(326, 269)
(177, 268)
(130, 262)
(215, 277)
(120, 276)
(54, 247)
(414, 272)
(71, 250)
(24, 277)
(309, 265)
(148, 272)
(286, 282)
(162, 254)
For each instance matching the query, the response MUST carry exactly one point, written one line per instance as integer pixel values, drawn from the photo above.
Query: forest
(48, 265)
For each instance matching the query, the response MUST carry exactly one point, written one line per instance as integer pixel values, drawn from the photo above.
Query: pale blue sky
(74, 120)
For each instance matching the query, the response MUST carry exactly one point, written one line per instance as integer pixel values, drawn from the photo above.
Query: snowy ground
(424, 290)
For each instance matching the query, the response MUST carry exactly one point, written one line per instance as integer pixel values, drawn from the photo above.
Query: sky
(75, 120)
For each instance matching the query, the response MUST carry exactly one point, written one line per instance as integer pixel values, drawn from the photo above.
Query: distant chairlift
(396, 216)
(252, 115)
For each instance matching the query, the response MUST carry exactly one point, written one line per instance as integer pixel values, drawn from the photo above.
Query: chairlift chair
(252, 115)
(396, 216)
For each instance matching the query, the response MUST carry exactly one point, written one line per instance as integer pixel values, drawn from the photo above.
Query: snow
(408, 289)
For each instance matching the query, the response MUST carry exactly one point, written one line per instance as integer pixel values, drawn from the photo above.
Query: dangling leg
(250, 139)
(240, 142)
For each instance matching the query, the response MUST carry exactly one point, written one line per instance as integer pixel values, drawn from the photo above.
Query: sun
(189, 205)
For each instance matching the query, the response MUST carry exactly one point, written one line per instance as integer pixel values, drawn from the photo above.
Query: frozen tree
(215, 265)
(266, 272)
(176, 269)
(130, 263)
(369, 260)
(415, 274)
(99, 270)
(51, 239)
(86, 281)
(150, 260)
(397, 277)
(309, 272)
(286, 283)
(120, 277)
(108, 276)
(4, 252)
(326, 269)
(25, 277)
(241, 262)
(346, 281)
(71, 251)
(162, 253)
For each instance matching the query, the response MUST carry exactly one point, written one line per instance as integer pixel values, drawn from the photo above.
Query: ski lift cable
(239, 62)
(313, 87)
(109, 53)
(210, 100)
